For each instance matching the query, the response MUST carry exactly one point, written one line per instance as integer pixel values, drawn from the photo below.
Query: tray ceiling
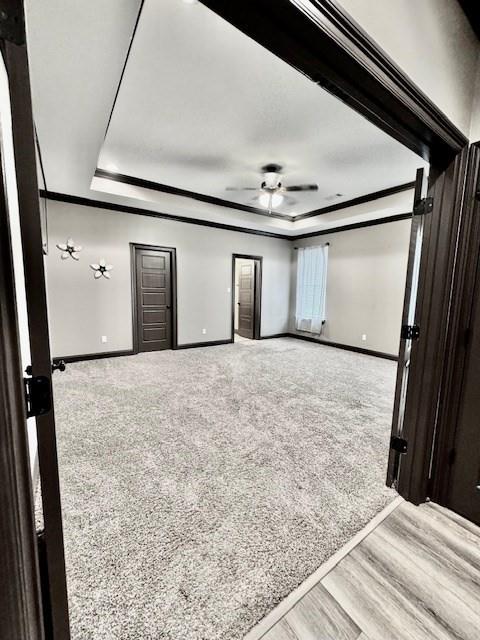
(200, 107)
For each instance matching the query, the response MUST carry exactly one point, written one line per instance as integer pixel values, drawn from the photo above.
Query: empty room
(244, 274)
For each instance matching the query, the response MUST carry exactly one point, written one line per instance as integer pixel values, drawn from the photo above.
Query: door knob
(56, 366)
(59, 366)
(168, 306)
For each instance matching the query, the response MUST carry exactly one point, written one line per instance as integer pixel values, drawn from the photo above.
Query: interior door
(153, 274)
(23, 201)
(409, 334)
(464, 485)
(246, 299)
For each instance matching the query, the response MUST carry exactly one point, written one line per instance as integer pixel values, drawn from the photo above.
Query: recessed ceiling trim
(101, 204)
(156, 186)
(355, 225)
(110, 206)
(368, 197)
(165, 188)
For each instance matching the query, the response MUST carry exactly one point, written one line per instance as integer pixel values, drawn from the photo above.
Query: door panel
(408, 319)
(153, 277)
(464, 494)
(246, 300)
(424, 400)
(54, 588)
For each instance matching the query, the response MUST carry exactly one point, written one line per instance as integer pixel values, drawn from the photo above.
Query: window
(311, 288)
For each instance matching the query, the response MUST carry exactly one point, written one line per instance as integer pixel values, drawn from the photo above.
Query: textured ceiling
(200, 107)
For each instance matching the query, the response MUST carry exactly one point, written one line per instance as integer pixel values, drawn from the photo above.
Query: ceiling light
(277, 200)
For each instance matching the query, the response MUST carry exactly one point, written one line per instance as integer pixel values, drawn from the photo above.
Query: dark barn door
(153, 280)
(246, 299)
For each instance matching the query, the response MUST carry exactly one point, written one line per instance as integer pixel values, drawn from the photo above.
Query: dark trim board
(173, 273)
(94, 356)
(165, 188)
(214, 343)
(110, 206)
(121, 208)
(368, 197)
(131, 352)
(210, 343)
(355, 225)
(258, 293)
(346, 347)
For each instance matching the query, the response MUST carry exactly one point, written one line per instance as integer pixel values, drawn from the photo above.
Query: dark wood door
(246, 299)
(399, 428)
(464, 486)
(50, 543)
(153, 278)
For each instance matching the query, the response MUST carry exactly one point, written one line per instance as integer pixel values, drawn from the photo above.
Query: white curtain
(311, 288)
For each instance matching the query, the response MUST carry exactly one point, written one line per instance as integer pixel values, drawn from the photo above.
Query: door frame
(53, 581)
(323, 42)
(257, 304)
(459, 331)
(173, 275)
(21, 614)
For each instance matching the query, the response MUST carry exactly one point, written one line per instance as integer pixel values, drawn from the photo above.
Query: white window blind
(311, 288)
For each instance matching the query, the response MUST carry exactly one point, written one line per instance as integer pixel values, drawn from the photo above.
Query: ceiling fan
(271, 187)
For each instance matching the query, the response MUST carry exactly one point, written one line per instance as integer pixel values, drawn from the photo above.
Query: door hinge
(399, 445)
(12, 23)
(38, 395)
(423, 206)
(410, 332)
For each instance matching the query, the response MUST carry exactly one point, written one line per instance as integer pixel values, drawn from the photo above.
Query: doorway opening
(154, 297)
(435, 274)
(246, 297)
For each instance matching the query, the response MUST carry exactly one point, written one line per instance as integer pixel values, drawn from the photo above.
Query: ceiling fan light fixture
(272, 179)
(276, 201)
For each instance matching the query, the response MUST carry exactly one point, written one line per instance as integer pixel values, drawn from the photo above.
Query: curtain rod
(327, 244)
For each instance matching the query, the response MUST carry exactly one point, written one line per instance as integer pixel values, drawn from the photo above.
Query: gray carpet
(200, 487)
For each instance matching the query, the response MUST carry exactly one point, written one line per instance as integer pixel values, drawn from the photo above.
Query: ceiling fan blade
(302, 187)
(242, 189)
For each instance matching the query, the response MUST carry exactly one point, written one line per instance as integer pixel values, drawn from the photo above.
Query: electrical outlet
(364, 337)
(104, 338)
(229, 290)
(204, 331)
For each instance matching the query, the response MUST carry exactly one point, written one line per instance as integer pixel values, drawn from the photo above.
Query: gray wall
(366, 280)
(365, 285)
(81, 309)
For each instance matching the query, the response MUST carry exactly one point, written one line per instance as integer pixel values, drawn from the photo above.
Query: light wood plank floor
(416, 576)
